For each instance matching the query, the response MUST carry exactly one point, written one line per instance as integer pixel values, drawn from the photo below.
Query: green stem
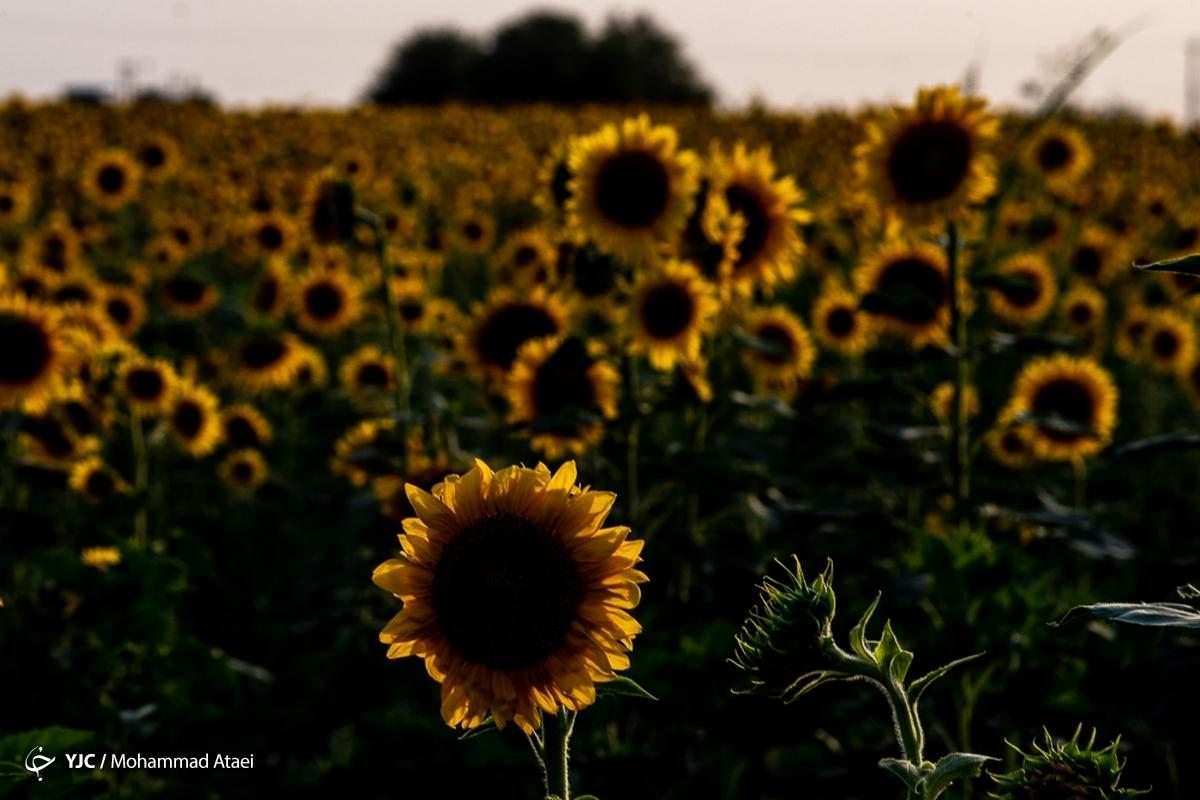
(908, 727)
(631, 449)
(1081, 474)
(538, 748)
(141, 479)
(960, 445)
(566, 726)
(396, 338)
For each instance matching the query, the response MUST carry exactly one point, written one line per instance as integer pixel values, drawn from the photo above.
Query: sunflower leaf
(949, 769)
(918, 687)
(623, 687)
(906, 771)
(1158, 615)
(858, 634)
(1183, 265)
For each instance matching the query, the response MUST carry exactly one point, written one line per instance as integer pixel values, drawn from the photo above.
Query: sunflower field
(580, 408)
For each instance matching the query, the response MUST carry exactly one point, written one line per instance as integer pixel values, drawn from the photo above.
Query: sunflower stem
(396, 337)
(566, 726)
(141, 478)
(1079, 467)
(537, 747)
(960, 446)
(631, 454)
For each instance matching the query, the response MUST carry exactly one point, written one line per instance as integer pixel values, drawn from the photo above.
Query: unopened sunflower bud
(1065, 770)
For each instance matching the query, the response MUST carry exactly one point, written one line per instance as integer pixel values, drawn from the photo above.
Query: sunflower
(560, 390)
(941, 401)
(147, 384)
(838, 323)
(769, 207)
(54, 247)
(1059, 154)
(101, 558)
(782, 352)
(326, 302)
(78, 285)
(271, 294)
(33, 350)
(1082, 309)
(1096, 256)
(194, 417)
(1011, 443)
(16, 199)
(711, 236)
(474, 231)
(554, 183)
(514, 595)
(124, 307)
(1169, 342)
(928, 162)
(591, 276)
(111, 178)
(1189, 380)
(631, 188)
(267, 361)
(185, 295)
(355, 163)
(416, 310)
(671, 309)
(1073, 403)
(158, 156)
(369, 450)
(1028, 290)
(424, 472)
(270, 234)
(908, 286)
(328, 209)
(368, 375)
(243, 470)
(95, 481)
(164, 255)
(1131, 333)
(311, 369)
(184, 231)
(243, 425)
(526, 257)
(508, 320)
(47, 442)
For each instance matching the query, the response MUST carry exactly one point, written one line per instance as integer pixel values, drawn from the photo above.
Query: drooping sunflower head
(671, 309)
(194, 418)
(560, 391)
(111, 179)
(187, 295)
(906, 289)
(1025, 291)
(243, 470)
(631, 187)
(243, 425)
(929, 161)
(33, 350)
(508, 320)
(769, 209)
(271, 293)
(147, 384)
(328, 209)
(326, 301)
(1169, 343)
(91, 478)
(838, 323)
(266, 361)
(1059, 155)
(515, 594)
(1071, 404)
(780, 352)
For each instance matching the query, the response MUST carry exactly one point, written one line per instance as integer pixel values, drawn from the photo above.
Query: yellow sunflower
(368, 375)
(16, 199)
(838, 323)
(1028, 291)
(1131, 333)
(1169, 341)
(92, 479)
(474, 231)
(326, 302)
(1096, 256)
(1059, 154)
(526, 257)
(46, 441)
(554, 183)
(185, 295)
(147, 384)
(505, 322)
(631, 187)
(270, 234)
(272, 290)
(33, 350)
(1072, 403)
(560, 391)
(711, 236)
(369, 450)
(1011, 443)
(194, 418)
(783, 352)
(941, 401)
(908, 285)
(124, 307)
(769, 207)
(514, 594)
(1082, 309)
(243, 425)
(671, 309)
(929, 161)
(111, 179)
(243, 470)
(267, 361)
(311, 370)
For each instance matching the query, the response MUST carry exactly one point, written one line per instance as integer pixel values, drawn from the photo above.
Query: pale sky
(792, 53)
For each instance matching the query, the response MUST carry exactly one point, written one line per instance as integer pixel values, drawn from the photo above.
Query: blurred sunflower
(194, 418)
(1131, 333)
(474, 231)
(1082, 310)
(631, 188)
(554, 183)
(16, 199)
(124, 307)
(369, 450)
(1028, 291)
(47, 442)
(147, 384)
(929, 161)
(101, 558)
(711, 236)
(506, 321)
(560, 390)
(1059, 154)
(514, 594)
(1011, 444)
(1073, 402)
(781, 354)
(185, 295)
(158, 155)
(92, 479)
(111, 179)
(1169, 341)
(1096, 256)
(368, 376)
(243, 426)
(906, 289)
(328, 209)
(270, 234)
(526, 257)
(326, 302)
(941, 401)
(243, 470)
(671, 309)
(272, 290)
(33, 350)
(267, 361)
(311, 370)
(838, 323)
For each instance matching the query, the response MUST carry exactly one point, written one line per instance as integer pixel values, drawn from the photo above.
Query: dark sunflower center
(182, 235)
(1081, 314)
(1086, 261)
(1025, 289)
(505, 593)
(323, 301)
(929, 161)
(509, 327)
(262, 352)
(525, 256)
(918, 287)
(1186, 238)
(265, 294)
(560, 185)
(411, 310)
(562, 381)
(332, 216)
(1066, 399)
(372, 374)
(73, 293)
(6, 203)
(782, 345)
(51, 436)
(153, 156)
(473, 231)
(270, 237)
(632, 189)
(758, 223)
(24, 351)
(54, 253)
(145, 383)
(1053, 154)
(187, 419)
(111, 179)
(667, 310)
(840, 322)
(242, 472)
(240, 432)
(1165, 344)
(1012, 442)
(99, 484)
(119, 310)
(185, 289)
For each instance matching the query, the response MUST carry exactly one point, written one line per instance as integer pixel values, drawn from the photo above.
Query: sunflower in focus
(514, 594)
(782, 353)
(1028, 291)
(837, 322)
(326, 302)
(243, 470)
(33, 350)
(631, 187)
(906, 287)
(929, 161)
(560, 390)
(194, 418)
(508, 320)
(111, 179)
(671, 309)
(769, 208)
(267, 361)
(1169, 342)
(1073, 402)
(92, 479)
(1059, 154)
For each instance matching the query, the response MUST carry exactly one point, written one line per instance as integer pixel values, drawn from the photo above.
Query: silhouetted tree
(431, 66)
(544, 56)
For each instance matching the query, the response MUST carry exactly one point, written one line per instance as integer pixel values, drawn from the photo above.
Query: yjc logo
(37, 763)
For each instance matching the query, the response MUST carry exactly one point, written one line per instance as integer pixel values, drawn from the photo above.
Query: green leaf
(858, 634)
(1183, 265)
(906, 771)
(949, 769)
(918, 687)
(623, 687)
(891, 656)
(1159, 615)
(811, 680)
